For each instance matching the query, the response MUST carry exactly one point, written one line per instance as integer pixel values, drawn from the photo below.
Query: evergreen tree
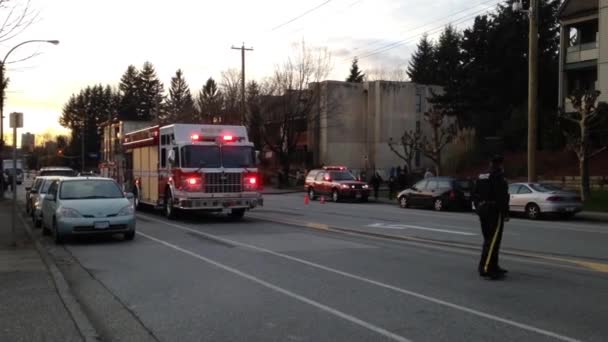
(356, 75)
(149, 93)
(422, 67)
(127, 110)
(448, 56)
(254, 114)
(209, 102)
(180, 105)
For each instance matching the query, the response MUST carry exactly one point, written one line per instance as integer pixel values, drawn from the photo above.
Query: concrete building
(583, 48)
(28, 142)
(354, 122)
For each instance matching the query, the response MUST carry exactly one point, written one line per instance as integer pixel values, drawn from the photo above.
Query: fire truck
(189, 167)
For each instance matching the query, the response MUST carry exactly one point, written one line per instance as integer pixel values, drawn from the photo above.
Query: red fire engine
(194, 167)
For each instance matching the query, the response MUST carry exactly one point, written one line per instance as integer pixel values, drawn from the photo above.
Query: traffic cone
(322, 199)
(306, 199)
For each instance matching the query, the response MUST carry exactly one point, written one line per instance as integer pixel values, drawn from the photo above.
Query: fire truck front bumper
(219, 202)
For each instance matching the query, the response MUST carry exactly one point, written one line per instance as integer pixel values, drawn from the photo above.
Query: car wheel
(129, 236)
(533, 211)
(237, 214)
(311, 194)
(438, 204)
(403, 203)
(170, 211)
(335, 196)
(57, 237)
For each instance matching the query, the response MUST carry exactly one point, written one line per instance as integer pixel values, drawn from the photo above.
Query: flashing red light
(252, 180)
(192, 181)
(195, 137)
(228, 137)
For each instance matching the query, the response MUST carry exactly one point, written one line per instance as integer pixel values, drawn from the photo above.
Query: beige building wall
(356, 121)
(602, 78)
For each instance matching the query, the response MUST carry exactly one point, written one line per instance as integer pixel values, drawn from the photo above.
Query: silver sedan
(535, 199)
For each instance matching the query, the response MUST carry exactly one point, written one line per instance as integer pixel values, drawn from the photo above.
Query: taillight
(251, 182)
(554, 199)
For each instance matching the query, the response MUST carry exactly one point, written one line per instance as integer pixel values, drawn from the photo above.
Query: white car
(535, 199)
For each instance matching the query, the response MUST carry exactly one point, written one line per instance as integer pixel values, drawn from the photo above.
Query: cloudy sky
(99, 39)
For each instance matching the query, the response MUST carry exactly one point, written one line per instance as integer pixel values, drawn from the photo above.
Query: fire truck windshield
(200, 156)
(238, 156)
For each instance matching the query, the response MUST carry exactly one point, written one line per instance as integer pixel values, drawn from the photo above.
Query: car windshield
(543, 187)
(200, 156)
(238, 156)
(89, 189)
(342, 176)
(465, 185)
(66, 173)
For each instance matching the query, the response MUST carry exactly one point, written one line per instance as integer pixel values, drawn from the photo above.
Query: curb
(81, 320)
(284, 192)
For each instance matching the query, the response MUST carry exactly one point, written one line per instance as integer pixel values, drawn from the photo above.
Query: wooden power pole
(532, 89)
(243, 49)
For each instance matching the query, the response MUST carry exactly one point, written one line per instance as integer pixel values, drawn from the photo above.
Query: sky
(99, 39)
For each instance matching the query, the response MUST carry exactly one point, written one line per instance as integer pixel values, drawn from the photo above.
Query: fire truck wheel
(170, 211)
(237, 214)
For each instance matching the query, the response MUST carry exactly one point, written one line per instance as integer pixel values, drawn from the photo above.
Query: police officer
(491, 198)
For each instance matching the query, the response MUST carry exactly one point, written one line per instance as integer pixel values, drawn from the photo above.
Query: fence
(574, 182)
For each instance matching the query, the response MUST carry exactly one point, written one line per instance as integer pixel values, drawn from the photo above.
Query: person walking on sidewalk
(491, 197)
(376, 181)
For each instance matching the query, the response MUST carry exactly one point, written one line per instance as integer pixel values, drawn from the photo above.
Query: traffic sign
(16, 120)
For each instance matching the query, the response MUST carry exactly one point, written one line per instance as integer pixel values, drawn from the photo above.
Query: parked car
(30, 192)
(439, 193)
(337, 183)
(536, 199)
(87, 205)
(37, 197)
(57, 171)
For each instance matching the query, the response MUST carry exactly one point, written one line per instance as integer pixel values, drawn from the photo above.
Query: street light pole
(532, 90)
(2, 91)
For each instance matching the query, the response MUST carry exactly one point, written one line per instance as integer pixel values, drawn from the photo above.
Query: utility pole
(532, 89)
(82, 133)
(243, 49)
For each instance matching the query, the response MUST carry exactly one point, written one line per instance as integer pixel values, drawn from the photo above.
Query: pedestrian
(391, 187)
(2, 184)
(402, 179)
(376, 181)
(428, 173)
(491, 197)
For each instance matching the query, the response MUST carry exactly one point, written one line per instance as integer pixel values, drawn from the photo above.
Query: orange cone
(306, 199)
(322, 199)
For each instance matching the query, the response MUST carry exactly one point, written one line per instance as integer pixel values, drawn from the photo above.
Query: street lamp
(2, 65)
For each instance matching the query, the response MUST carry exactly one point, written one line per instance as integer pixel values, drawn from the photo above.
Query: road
(340, 272)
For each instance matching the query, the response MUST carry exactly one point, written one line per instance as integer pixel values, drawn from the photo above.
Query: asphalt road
(296, 272)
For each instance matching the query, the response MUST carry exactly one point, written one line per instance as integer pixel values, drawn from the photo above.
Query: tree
(422, 67)
(180, 105)
(254, 120)
(129, 101)
(289, 102)
(231, 90)
(209, 102)
(356, 75)
(448, 56)
(84, 113)
(587, 118)
(442, 134)
(411, 142)
(149, 94)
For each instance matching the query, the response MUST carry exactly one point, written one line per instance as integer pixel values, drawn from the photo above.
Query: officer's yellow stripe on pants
(492, 245)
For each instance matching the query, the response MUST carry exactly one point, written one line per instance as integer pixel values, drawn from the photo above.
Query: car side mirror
(129, 195)
(50, 198)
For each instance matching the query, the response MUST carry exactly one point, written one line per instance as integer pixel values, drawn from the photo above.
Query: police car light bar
(228, 137)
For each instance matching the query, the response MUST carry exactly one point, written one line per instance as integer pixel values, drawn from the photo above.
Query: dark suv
(439, 193)
(337, 183)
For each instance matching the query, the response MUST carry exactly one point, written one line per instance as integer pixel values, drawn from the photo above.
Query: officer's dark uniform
(492, 203)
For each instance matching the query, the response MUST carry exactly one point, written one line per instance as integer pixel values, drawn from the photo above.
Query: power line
(375, 42)
(301, 15)
(396, 44)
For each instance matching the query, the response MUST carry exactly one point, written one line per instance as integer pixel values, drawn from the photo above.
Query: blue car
(87, 206)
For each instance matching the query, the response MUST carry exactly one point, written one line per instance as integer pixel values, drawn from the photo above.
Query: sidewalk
(30, 306)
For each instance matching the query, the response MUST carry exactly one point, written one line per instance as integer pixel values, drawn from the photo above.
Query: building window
(163, 157)
(418, 103)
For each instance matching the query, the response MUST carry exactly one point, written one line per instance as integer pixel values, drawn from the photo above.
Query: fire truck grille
(223, 182)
